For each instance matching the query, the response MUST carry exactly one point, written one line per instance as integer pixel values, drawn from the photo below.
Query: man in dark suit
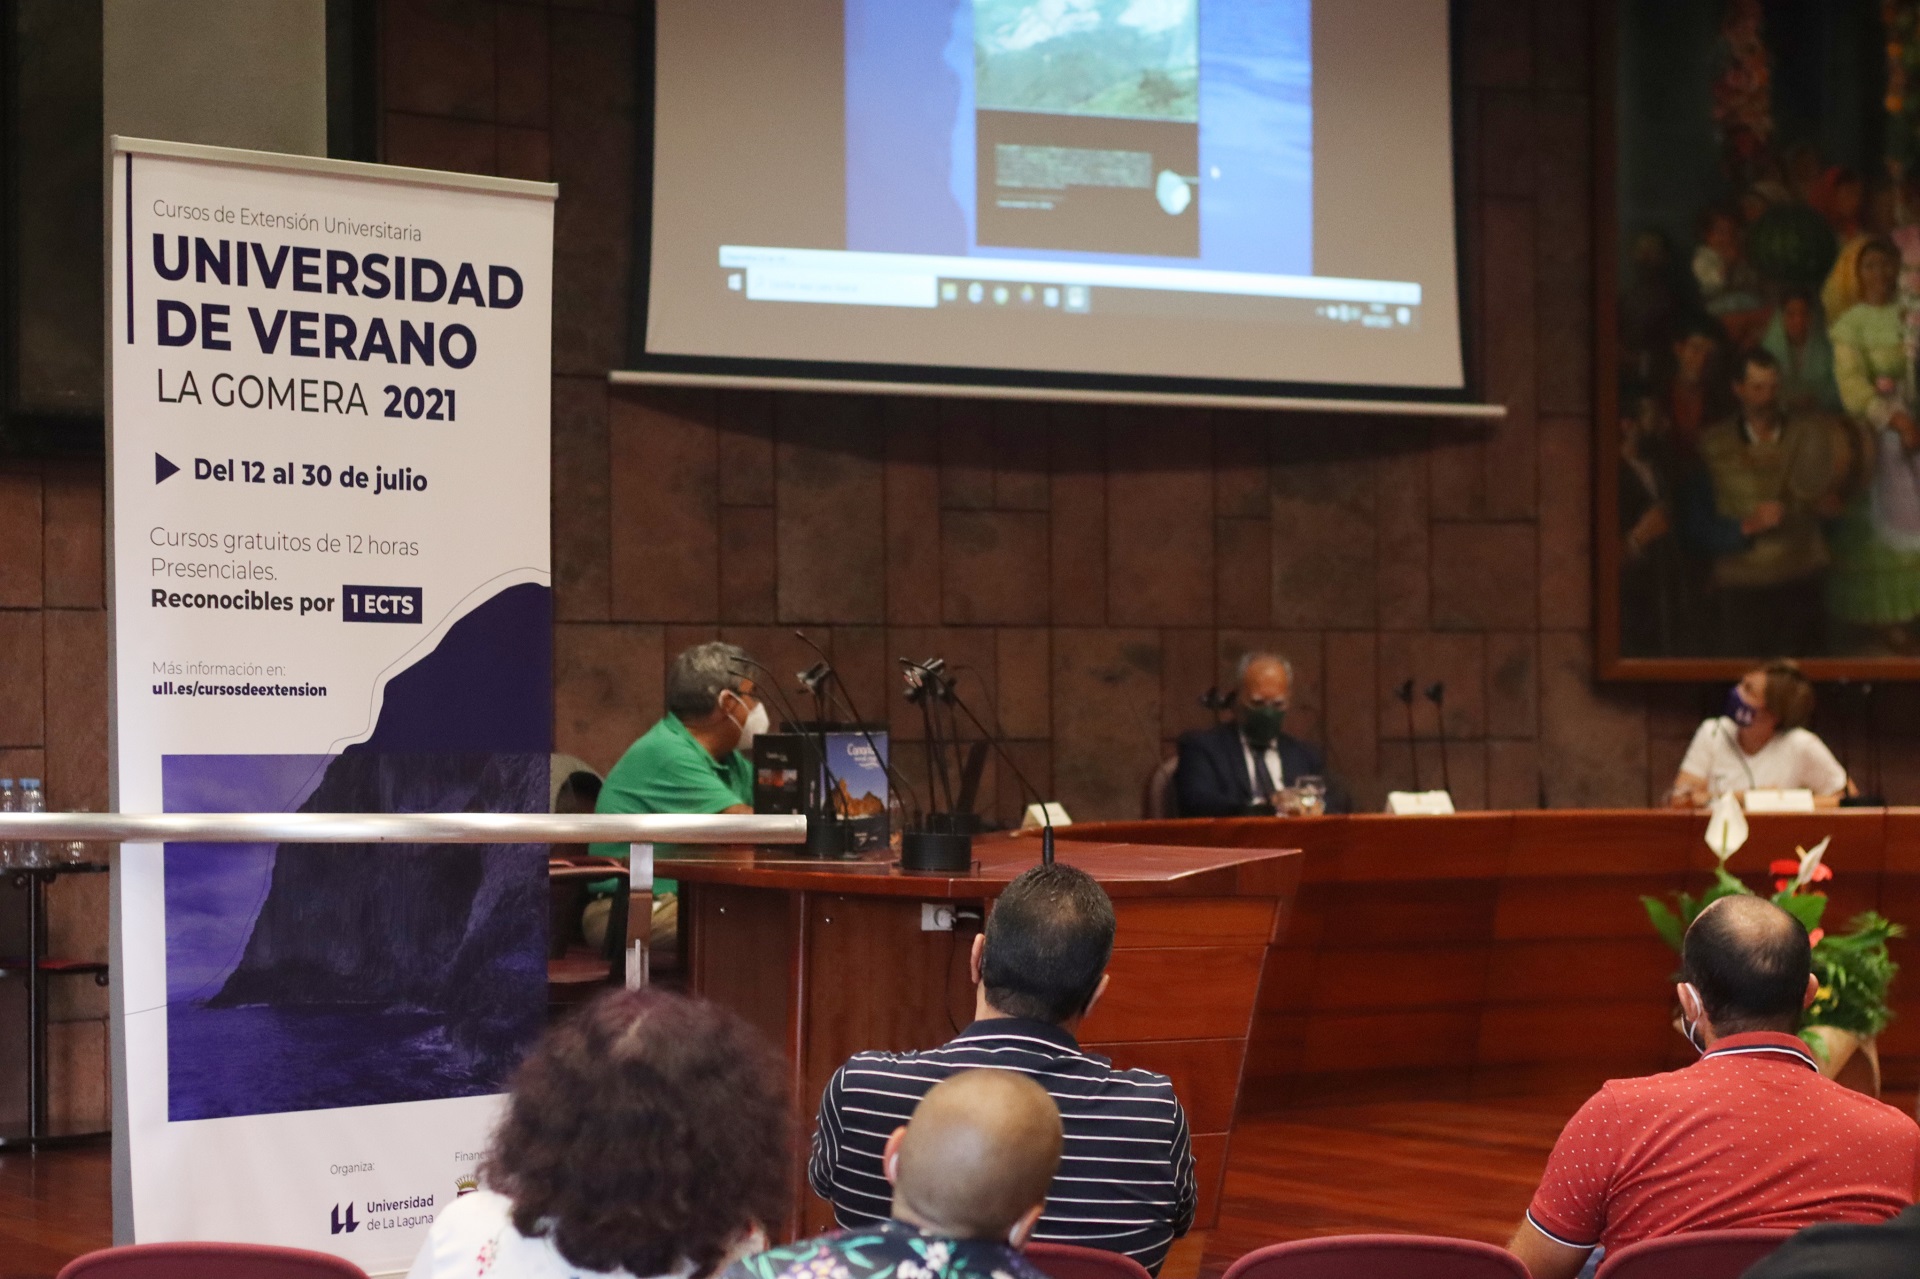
(1238, 768)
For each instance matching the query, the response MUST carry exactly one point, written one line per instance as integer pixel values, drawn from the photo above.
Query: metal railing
(403, 828)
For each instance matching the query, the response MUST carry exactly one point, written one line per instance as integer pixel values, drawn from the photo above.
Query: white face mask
(1690, 1026)
(755, 724)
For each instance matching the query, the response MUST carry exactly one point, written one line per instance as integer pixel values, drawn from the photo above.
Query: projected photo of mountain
(1137, 59)
(1087, 125)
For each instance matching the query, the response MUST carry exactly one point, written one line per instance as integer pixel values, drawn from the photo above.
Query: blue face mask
(1739, 709)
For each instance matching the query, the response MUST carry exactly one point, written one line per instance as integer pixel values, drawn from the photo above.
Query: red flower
(1790, 870)
(1813, 938)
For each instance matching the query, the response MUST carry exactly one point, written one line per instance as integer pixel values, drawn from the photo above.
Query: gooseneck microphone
(993, 739)
(1405, 694)
(1437, 694)
(827, 833)
(824, 679)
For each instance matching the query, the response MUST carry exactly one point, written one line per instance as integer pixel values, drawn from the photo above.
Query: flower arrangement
(1853, 968)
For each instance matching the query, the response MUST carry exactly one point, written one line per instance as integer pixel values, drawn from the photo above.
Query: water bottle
(33, 799)
(9, 802)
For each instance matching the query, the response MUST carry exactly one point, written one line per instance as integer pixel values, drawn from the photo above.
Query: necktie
(1262, 779)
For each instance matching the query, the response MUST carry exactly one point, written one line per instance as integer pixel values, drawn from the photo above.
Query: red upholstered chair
(208, 1261)
(1065, 1261)
(1379, 1257)
(1705, 1254)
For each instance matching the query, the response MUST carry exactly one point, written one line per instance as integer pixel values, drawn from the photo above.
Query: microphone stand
(1405, 694)
(1437, 694)
(944, 843)
(1046, 818)
(830, 678)
(923, 681)
(827, 835)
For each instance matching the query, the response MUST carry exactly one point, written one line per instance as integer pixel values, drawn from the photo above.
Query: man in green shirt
(695, 760)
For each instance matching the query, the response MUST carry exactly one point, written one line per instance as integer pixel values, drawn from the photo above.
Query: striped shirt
(1126, 1180)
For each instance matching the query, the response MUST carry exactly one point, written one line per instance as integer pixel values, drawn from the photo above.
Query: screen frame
(643, 365)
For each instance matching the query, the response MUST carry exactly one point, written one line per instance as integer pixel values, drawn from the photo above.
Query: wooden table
(830, 958)
(1500, 952)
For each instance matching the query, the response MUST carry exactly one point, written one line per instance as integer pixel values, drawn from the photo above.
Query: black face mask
(1261, 723)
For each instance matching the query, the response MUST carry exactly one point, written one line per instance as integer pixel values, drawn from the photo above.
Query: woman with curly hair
(646, 1136)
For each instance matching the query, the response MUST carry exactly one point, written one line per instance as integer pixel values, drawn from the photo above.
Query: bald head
(978, 1155)
(1750, 961)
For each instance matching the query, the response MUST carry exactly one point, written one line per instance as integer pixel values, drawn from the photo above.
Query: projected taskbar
(836, 277)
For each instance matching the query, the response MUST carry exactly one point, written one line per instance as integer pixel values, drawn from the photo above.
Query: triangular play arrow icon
(162, 468)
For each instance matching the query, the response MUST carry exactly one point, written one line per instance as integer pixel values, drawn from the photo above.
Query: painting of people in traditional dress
(1762, 332)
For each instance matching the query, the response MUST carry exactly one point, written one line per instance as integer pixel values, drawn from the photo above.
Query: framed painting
(1757, 245)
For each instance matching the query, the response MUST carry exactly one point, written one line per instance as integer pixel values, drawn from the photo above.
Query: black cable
(1046, 817)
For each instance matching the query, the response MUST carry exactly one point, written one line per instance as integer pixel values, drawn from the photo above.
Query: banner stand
(329, 592)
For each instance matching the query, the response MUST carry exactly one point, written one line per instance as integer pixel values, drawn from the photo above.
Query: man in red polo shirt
(1748, 1137)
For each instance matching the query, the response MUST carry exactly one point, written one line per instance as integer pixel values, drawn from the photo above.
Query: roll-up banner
(331, 593)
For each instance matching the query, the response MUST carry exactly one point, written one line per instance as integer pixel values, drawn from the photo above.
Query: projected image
(1087, 124)
(1138, 58)
(1075, 189)
(1173, 133)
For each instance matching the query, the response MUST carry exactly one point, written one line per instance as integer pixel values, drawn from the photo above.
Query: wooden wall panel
(1210, 1169)
(742, 943)
(1188, 993)
(1207, 921)
(1205, 1074)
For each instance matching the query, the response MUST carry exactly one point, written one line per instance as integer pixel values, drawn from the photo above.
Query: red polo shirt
(1748, 1137)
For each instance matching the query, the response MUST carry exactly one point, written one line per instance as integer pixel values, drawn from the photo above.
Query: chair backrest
(1160, 800)
(1379, 1257)
(209, 1261)
(1703, 1254)
(1066, 1261)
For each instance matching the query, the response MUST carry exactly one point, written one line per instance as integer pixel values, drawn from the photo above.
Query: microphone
(927, 686)
(1405, 694)
(827, 835)
(825, 676)
(1437, 694)
(1221, 704)
(993, 739)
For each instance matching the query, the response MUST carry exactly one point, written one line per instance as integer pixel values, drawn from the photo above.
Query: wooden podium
(830, 958)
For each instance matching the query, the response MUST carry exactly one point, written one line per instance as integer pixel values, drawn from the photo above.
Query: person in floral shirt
(970, 1172)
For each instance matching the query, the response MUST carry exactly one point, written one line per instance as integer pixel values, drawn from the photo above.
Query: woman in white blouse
(647, 1135)
(1762, 742)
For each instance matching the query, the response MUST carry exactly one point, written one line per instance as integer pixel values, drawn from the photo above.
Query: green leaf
(1664, 922)
(1805, 907)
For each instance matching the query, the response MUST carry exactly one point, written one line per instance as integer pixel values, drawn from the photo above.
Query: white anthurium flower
(1810, 862)
(1727, 827)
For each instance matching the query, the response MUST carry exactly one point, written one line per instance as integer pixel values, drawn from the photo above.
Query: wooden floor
(53, 1206)
(1463, 1168)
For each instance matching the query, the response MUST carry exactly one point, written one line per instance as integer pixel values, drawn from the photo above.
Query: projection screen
(1228, 196)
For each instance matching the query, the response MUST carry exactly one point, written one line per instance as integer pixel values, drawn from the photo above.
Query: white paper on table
(1789, 800)
(1425, 803)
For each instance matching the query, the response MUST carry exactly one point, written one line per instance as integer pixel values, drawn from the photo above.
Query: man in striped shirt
(1126, 1181)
